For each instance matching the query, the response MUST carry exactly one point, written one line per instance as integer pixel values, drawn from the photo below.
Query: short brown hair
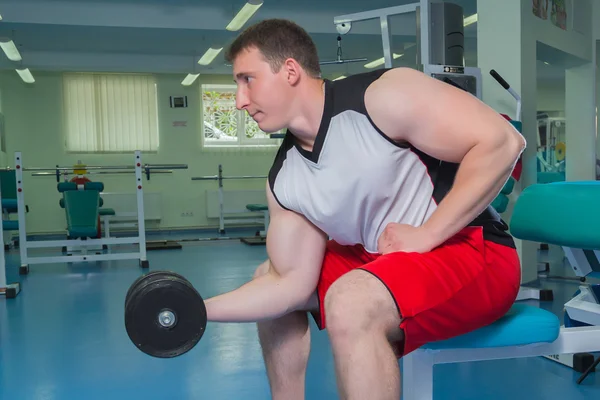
(277, 40)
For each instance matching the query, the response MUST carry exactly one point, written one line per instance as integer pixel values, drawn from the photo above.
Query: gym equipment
(165, 316)
(83, 229)
(529, 331)
(501, 201)
(339, 59)
(249, 208)
(9, 204)
(551, 148)
(10, 291)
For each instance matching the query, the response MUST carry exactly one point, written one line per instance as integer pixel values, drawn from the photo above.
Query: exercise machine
(551, 148)
(529, 331)
(10, 291)
(253, 208)
(82, 217)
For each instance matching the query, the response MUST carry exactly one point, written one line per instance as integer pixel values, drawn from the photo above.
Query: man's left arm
(450, 125)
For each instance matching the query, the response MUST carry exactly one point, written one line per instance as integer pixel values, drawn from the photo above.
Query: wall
(551, 96)
(33, 115)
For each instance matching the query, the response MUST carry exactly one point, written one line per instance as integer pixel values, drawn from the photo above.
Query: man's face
(263, 94)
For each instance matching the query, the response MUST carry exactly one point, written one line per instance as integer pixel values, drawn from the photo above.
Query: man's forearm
(481, 175)
(266, 297)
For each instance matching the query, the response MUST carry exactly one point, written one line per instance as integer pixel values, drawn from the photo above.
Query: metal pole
(109, 167)
(386, 40)
(2, 260)
(140, 206)
(425, 19)
(221, 212)
(99, 173)
(21, 211)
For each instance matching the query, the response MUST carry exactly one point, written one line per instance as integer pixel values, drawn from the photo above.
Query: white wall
(33, 116)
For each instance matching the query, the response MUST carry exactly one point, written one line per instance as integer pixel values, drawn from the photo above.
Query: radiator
(234, 202)
(125, 205)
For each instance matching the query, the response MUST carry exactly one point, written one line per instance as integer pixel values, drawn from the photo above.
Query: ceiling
(169, 36)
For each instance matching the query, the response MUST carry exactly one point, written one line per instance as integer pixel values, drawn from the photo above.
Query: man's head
(269, 60)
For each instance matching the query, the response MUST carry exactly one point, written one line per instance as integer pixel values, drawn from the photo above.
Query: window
(224, 125)
(110, 113)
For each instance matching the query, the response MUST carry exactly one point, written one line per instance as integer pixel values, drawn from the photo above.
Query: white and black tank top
(356, 179)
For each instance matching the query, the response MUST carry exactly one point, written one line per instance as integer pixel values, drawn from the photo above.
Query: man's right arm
(295, 248)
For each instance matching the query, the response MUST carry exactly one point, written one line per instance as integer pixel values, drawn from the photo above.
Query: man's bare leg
(285, 345)
(362, 321)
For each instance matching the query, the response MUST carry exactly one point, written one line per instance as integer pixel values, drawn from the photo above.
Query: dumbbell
(165, 316)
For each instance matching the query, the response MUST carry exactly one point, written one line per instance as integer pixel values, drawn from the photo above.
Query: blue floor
(63, 338)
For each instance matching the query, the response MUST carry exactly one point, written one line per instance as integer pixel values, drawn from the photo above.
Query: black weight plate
(138, 280)
(141, 316)
(146, 279)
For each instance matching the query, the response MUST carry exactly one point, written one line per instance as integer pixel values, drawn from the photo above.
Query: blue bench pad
(521, 325)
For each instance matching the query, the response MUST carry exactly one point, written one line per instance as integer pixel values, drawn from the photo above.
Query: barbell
(104, 169)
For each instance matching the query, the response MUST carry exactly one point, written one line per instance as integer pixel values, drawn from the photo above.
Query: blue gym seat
(520, 326)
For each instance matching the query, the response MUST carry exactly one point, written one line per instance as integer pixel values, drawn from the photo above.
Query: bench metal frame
(25, 245)
(417, 380)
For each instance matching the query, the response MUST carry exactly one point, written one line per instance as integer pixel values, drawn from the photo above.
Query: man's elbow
(514, 144)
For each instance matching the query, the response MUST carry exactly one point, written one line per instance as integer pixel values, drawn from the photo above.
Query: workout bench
(529, 331)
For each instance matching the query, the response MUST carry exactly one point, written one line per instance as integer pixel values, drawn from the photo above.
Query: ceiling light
(340, 77)
(209, 56)
(471, 19)
(25, 74)
(244, 15)
(380, 61)
(10, 49)
(189, 79)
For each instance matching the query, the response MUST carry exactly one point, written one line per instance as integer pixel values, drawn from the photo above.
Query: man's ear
(292, 71)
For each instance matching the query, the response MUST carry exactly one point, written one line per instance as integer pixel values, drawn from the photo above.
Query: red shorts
(464, 284)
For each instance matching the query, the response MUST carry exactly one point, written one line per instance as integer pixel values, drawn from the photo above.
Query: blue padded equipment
(106, 211)
(99, 186)
(500, 203)
(257, 207)
(10, 225)
(8, 184)
(10, 205)
(82, 212)
(559, 213)
(508, 186)
(521, 325)
(549, 177)
(66, 186)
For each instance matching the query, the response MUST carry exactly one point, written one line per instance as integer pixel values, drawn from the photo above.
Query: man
(398, 169)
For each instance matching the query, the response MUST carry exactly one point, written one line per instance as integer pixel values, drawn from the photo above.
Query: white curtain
(110, 112)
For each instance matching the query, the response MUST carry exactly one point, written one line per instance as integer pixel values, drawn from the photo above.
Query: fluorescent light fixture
(189, 79)
(209, 56)
(471, 19)
(10, 49)
(0, 17)
(380, 61)
(244, 15)
(340, 77)
(25, 74)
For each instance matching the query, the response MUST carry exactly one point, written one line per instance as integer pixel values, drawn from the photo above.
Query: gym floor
(63, 338)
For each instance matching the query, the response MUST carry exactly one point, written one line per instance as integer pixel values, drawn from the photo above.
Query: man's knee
(358, 303)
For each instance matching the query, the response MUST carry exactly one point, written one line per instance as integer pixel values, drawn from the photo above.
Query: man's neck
(309, 105)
